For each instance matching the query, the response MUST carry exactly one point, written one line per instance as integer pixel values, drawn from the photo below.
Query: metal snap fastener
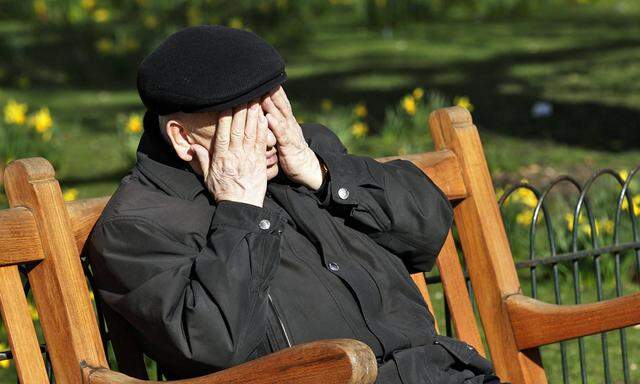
(333, 266)
(343, 193)
(264, 224)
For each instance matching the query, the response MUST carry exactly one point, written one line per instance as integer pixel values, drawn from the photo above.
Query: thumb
(202, 158)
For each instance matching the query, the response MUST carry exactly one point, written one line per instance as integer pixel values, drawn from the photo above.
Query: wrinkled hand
(236, 168)
(296, 159)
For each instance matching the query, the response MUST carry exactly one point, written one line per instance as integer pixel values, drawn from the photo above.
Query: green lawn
(586, 66)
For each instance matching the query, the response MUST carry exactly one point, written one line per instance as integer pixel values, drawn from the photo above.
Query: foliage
(129, 130)
(114, 35)
(25, 133)
(597, 224)
(395, 13)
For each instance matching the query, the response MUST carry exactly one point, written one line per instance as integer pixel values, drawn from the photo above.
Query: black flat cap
(208, 68)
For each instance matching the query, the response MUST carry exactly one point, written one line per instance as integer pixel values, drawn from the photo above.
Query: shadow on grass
(71, 61)
(590, 124)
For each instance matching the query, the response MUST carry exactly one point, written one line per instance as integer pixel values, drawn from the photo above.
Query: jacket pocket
(465, 354)
(276, 332)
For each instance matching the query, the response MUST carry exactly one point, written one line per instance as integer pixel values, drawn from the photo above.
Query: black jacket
(210, 286)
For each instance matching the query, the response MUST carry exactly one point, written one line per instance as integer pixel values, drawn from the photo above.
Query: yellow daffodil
(636, 204)
(583, 224)
(608, 226)
(409, 105)
(623, 174)
(134, 124)
(359, 129)
(15, 113)
(264, 7)
(4, 363)
(524, 218)
(41, 120)
(464, 102)
(236, 22)
(586, 228)
(104, 45)
(150, 21)
(34, 312)
(88, 4)
(194, 15)
(527, 197)
(101, 15)
(131, 44)
(70, 194)
(569, 219)
(360, 110)
(40, 8)
(418, 93)
(326, 105)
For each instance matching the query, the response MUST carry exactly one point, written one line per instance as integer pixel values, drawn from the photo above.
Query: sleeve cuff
(340, 186)
(248, 217)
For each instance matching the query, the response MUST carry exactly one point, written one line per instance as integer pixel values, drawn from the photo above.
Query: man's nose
(271, 139)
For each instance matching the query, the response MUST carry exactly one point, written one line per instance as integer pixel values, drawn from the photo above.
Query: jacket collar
(157, 161)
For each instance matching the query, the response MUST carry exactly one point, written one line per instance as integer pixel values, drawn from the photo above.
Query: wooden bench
(47, 235)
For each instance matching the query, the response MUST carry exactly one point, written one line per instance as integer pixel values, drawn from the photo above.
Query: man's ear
(180, 139)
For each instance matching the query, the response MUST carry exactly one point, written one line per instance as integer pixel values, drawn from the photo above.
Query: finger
(270, 107)
(251, 126)
(282, 102)
(278, 128)
(202, 155)
(237, 127)
(223, 130)
(261, 137)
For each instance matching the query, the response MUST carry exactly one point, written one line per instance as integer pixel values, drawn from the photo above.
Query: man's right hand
(235, 167)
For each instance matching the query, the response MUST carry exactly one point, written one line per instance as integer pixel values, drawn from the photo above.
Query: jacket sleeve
(394, 203)
(198, 310)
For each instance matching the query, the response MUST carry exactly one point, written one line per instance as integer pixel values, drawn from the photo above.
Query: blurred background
(553, 85)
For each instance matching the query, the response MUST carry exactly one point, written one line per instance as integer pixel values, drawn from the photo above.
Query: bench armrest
(536, 323)
(327, 361)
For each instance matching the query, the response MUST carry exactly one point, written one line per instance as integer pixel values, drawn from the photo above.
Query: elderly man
(240, 232)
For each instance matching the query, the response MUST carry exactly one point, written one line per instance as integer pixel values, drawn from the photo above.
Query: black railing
(585, 249)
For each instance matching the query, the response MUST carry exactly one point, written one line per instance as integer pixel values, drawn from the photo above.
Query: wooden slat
(339, 361)
(58, 282)
(83, 215)
(19, 240)
(485, 245)
(421, 283)
(455, 289)
(19, 326)
(537, 323)
(443, 169)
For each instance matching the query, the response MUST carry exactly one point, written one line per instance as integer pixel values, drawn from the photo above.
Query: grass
(586, 66)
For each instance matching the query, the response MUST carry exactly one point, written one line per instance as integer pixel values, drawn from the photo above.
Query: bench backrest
(47, 235)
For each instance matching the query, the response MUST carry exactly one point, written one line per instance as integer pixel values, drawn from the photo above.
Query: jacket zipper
(275, 311)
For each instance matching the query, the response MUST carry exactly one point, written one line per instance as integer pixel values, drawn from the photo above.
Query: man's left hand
(296, 159)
